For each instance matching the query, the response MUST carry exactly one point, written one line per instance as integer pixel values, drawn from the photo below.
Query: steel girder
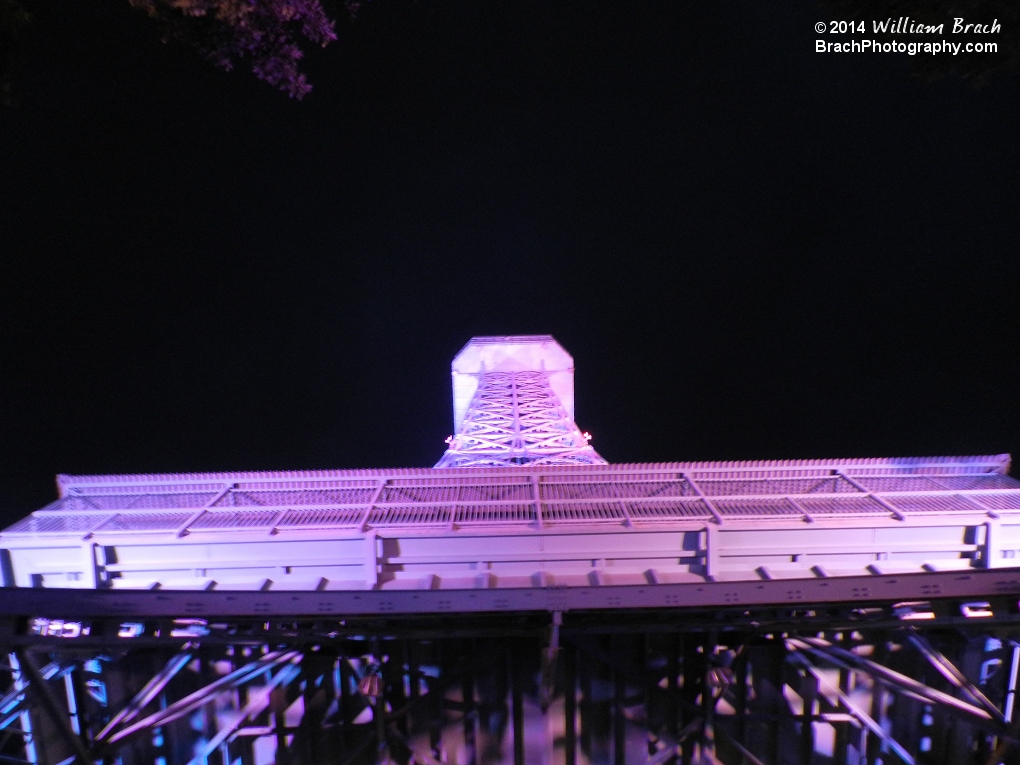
(575, 689)
(515, 418)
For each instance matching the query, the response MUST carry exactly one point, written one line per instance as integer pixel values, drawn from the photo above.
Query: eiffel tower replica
(513, 404)
(523, 601)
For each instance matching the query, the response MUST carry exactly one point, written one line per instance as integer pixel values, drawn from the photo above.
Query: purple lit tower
(518, 470)
(680, 584)
(513, 404)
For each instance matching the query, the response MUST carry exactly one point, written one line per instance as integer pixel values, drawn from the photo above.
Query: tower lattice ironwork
(515, 418)
(515, 415)
(524, 603)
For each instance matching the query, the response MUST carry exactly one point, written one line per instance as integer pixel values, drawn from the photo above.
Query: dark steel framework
(522, 602)
(879, 682)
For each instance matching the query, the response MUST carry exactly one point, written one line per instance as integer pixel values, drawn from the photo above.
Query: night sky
(751, 250)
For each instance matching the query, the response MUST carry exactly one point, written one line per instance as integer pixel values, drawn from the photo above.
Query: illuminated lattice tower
(671, 612)
(513, 401)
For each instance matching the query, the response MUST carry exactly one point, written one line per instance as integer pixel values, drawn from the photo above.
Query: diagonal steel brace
(907, 685)
(864, 718)
(38, 688)
(949, 671)
(251, 709)
(146, 694)
(202, 696)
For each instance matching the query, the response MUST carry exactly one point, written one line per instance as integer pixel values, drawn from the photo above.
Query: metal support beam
(570, 703)
(148, 692)
(254, 707)
(38, 688)
(451, 693)
(1014, 666)
(517, 702)
(866, 720)
(470, 714)
(901, 682)
(949, 671)
(619, 702)
(205, 695)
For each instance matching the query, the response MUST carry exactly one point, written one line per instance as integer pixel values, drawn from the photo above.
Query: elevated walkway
(793, 611)
(521, 527)
(520, 501)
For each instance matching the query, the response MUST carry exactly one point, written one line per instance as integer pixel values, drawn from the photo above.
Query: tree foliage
(268, 35)
(265, 34)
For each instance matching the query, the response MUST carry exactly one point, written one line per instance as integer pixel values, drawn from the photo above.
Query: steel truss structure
(515, 417)
(522, 602)
(813, 685)
(501, 530)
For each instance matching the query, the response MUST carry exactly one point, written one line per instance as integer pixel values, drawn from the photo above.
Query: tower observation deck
(727, 575)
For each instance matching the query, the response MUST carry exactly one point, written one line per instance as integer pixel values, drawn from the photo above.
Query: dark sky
(751, 250)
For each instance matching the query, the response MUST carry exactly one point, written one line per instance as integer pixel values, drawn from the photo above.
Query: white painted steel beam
(519, 501)
(555, 525)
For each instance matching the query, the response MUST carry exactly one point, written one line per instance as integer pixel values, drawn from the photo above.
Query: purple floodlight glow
(513, 404)
(521, 503)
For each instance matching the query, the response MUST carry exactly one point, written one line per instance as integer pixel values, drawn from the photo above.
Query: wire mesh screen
(225, 519)
(645, 510)
(575, 495)
(326, 517)
(74, 504)
(162, 501)
(495, 514)
(765, 507)
(899, 483)
(138, 489)
(409, 514)
(401, 494)
(145, 522)
(935, 503)
(57, 524)
(777, 486)
(999, 501)
(642, 489)
(593, 490)
(496, 492)
(975, 482)
(821, 506)
(286, 498)
(583, 512)
(169, 501)
(316, 485)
